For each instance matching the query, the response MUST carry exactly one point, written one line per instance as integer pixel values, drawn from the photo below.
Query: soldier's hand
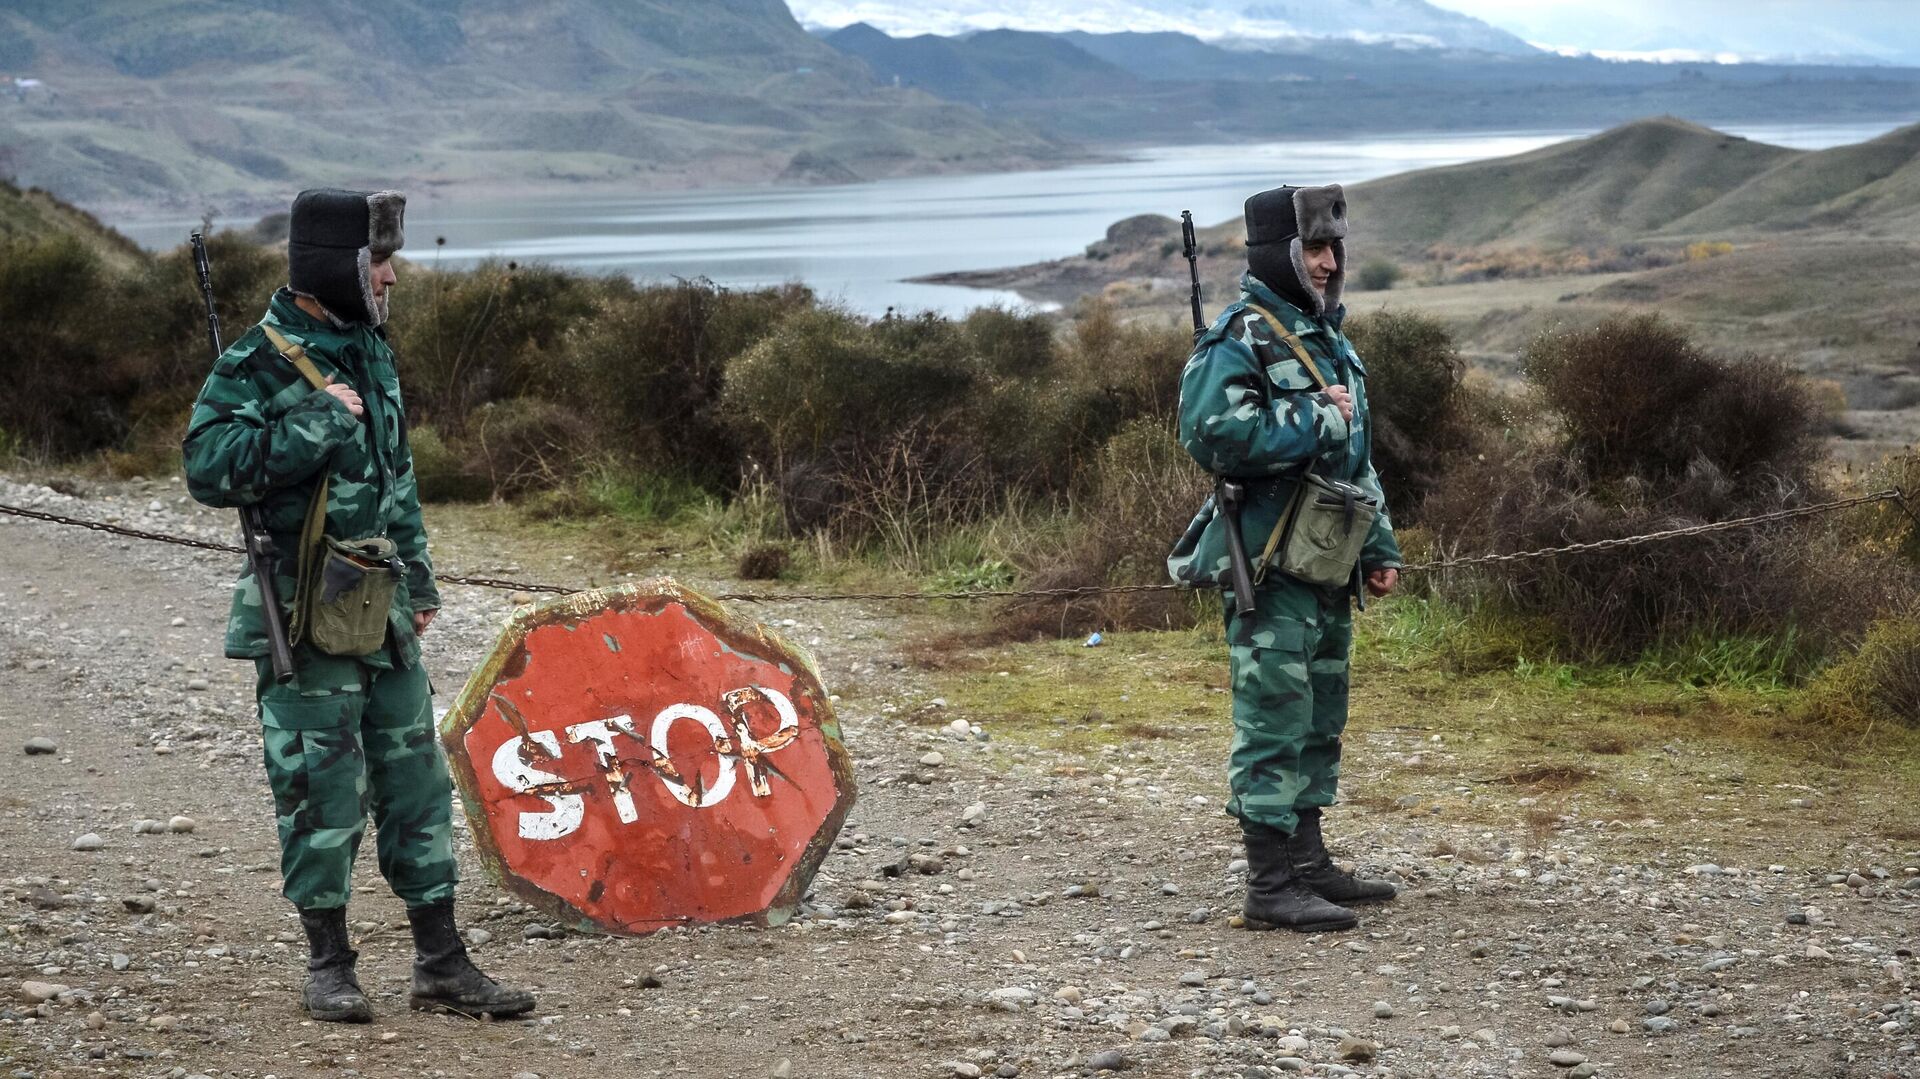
(347, 397)
(1343, 400)
(421, 620)
(1382, 581)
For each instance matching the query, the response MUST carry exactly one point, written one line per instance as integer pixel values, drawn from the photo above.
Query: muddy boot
(1314, 867)
(444, 979)
(332, 993)
(1275, 898)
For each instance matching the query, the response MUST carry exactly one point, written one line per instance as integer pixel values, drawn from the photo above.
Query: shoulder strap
(295, 355)
(1292, 341)
(313, 528)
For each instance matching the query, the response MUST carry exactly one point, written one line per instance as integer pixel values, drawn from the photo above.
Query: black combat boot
(1276, 899)
(332, 993)
(444, 979)
(1314, 867)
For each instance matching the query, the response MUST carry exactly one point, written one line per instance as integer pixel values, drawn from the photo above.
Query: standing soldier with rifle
(301, 426)
(1273, 403)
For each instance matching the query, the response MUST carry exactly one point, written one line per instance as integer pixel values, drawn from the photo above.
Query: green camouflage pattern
(1289, 664)
(345, 739)
(260, 434)
(1250, 410)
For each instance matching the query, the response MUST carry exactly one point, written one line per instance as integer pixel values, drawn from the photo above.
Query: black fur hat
(333, 239)
(1280, 225)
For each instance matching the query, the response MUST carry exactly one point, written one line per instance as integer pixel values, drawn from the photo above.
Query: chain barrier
(1895, 494)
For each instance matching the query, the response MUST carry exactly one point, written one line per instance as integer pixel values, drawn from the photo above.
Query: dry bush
(440, 474)
(764, 562)
(1144, 491)
(1423, 416)
(526, 445)
(1880, 683)
(1640, 399)
(1644, 432)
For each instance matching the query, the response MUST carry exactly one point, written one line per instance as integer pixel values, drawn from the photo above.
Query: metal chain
(1076, 592)
(1891, 495)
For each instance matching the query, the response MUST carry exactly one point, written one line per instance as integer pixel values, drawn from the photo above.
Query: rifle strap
(1281, 526)
(314, 525)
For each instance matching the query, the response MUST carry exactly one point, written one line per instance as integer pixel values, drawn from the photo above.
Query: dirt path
(1086, 913)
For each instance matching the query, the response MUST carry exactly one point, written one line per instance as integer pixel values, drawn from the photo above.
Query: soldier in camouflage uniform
(350, 735)
(1251, 411)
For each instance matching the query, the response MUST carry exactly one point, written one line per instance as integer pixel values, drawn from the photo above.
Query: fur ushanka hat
(1280, 225)
(333, 239)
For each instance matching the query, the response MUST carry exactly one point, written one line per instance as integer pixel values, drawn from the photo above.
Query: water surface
(859, 243)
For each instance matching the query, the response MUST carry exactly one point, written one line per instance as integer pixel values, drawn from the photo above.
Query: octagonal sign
(634, 758)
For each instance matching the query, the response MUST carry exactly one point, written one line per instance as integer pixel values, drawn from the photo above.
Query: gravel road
(1078, 924)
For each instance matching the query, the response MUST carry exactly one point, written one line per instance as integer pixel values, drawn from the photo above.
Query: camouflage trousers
(1289, 665)
(343, 740)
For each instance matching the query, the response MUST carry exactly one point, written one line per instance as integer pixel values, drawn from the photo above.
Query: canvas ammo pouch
(1318, 540)
(345, 587)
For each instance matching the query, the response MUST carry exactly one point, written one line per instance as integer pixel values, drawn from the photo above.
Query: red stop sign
(633, 758)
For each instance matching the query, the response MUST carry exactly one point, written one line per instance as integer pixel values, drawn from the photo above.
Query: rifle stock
(253, 526)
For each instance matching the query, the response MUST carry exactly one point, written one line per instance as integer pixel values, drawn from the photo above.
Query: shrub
(440, 474)
(525, 444)
(1422, 415)
(1880, 683)
(1683, 439)
(1377, 275)
(764, 562)
(1144, 492)
(1640, 400)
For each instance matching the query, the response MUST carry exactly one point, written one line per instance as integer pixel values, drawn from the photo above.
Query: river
(860, 243)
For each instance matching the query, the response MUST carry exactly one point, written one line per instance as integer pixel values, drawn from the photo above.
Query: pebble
(1558, 1037)
(935, 760)
(1619, 1026)
(149, 827)
(1584, 1071)
(1658, 1006)
(960, 727)
(181, 825)
(1566, 1058)
(962, 1070)
(1814, 951)
(1069, 994)
(973, 813)
(526, 1075)
(90, 841)
(177, 622)
(478, 936)
(781, 1070)
(199, 685)
(1194, 978)
(1107, 1060)
(1659, 1024)
(36, 747)
(1382, 1010)
(1358, 1050)
(41, 992)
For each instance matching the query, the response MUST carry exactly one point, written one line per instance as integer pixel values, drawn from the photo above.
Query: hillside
(183, 100)
(33, 214)
(1873, 187)
(1183, 89)
(993, 66)
(1618, 185)
(1816, 255)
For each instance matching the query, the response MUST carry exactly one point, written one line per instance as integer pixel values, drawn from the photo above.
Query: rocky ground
(1079, 921)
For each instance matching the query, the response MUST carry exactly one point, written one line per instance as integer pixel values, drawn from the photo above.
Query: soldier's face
(383, 278)
(1322, 263)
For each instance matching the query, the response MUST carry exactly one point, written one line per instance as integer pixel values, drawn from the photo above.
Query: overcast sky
(1886, 30)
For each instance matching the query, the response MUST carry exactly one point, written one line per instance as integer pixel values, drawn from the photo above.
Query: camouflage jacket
(260, 433)
(1250, 410)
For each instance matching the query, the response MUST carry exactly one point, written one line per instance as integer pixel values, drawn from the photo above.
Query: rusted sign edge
(747, 636)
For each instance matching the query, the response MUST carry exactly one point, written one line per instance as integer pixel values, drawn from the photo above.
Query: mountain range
(191, 104)
(199, 100)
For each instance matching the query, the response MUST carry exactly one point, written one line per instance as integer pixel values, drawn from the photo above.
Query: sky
(1887, 31)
